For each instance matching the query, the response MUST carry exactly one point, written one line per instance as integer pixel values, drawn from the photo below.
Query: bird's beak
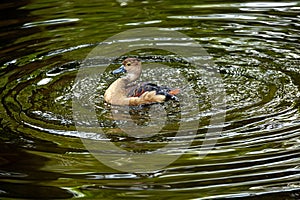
(119, 70)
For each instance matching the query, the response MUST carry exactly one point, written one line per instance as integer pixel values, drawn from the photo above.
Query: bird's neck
(131, 77)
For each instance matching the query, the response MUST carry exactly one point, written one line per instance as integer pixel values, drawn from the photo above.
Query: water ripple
(50, 22)
(254, 46)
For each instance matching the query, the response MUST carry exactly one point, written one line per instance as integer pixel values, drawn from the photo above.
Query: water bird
(125, 92)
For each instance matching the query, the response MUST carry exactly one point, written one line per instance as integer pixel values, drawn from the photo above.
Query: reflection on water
(254, 46)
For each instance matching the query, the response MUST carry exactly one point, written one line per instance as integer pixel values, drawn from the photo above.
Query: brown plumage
(123, 92)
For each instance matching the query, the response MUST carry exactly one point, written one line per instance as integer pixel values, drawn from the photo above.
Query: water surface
(253, 45)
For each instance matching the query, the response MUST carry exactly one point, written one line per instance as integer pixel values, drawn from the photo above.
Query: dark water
(254, 47)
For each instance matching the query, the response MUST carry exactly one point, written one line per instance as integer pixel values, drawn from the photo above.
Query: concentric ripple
(255, 48)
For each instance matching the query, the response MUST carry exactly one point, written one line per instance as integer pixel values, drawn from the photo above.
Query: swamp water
(253, 46)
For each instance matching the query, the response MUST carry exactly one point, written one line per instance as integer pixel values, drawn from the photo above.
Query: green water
(254, 153)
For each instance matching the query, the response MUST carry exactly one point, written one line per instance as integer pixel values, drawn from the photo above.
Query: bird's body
(124, 92)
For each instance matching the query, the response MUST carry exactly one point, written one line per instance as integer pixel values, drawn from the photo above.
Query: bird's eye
(128, 64)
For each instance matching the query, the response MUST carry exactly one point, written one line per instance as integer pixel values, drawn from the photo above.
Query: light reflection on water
(254, 47)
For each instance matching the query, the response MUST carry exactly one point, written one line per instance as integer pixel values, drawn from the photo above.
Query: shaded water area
(254, 47)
